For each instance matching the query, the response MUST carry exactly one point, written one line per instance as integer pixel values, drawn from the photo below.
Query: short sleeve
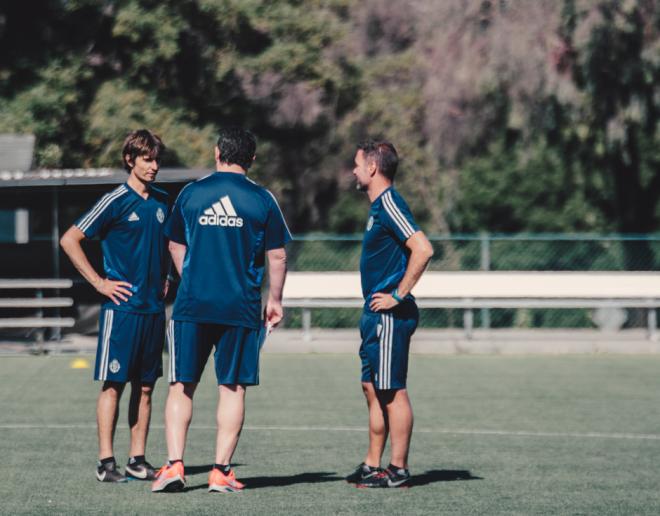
(396, 216)
(277, 232)
(99, 218)
(175, 227)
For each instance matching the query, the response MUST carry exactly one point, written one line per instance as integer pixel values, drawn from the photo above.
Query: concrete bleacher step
(37, 284)
(31, 302)
(37, 322)
(37, 303)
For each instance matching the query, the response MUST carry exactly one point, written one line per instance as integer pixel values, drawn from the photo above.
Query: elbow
(277, 256)
(428, 251)
(70, 241)
(280, 263)
(65, 241)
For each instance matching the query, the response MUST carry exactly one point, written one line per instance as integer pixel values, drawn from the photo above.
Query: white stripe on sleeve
(282, 214)
(100, 207)
(397, 216)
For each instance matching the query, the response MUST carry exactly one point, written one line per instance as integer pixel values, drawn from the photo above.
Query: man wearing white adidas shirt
(221, 229)
(129, 222)
(395, 253)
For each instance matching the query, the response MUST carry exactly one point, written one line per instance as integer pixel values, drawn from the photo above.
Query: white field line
(449, 431)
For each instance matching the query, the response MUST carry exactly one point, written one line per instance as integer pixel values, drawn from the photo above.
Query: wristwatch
(395, 295)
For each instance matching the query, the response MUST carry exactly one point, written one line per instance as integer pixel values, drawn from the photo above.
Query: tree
(526, 115)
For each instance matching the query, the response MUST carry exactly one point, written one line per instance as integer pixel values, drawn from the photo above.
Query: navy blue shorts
(130, 346)
(236, 352)
(385, 345)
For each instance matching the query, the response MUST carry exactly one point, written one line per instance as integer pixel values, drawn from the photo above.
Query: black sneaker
(362, 472)
(389, 477)
(140, 470)
(108, 472)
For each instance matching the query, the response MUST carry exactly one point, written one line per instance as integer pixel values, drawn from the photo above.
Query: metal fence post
(468, 322)
(307, 324)
(55, 242)
(652, 324)
(485, 266)
(39, 332)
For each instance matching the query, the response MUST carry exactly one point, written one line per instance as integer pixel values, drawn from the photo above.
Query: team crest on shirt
(114, 366)
(160, 215)
(370, 223)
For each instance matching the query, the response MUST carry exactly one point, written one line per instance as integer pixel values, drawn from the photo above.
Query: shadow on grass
(442, 475)
(195, 470)
(301, 478)
(429, 477)
(274, 481)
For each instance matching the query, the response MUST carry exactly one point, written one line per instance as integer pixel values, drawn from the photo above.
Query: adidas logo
(133, 217)
(221, 213)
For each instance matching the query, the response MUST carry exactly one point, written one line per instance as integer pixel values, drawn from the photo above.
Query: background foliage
(526, 115)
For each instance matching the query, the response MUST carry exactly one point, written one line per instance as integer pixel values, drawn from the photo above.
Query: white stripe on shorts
(390, 340)
(385, 358)
(105, 346)
(380, 351)
(170, 345)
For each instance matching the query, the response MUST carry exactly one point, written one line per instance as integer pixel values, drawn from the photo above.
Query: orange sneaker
(222, 483)
(169, 478)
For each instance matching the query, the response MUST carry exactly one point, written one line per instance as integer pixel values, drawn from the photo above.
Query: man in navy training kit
(129, 221)
(395, 253)
(221, 229)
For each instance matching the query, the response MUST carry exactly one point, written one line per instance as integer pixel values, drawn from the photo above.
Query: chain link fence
(521, 252)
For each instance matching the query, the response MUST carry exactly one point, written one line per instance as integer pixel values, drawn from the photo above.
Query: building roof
(89, 176)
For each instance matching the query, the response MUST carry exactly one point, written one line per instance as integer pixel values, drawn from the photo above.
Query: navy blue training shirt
(130, 228)
(227, 222)
(385, 256)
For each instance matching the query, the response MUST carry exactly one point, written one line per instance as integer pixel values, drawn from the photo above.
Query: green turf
(304, 432)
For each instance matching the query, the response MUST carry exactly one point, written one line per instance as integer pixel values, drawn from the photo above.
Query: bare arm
(276, 274)
(421, 252)
(115, 290)
(167, 280)
(178, 252)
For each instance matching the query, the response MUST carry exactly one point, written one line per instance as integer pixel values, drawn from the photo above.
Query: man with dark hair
(383, 155)
(221, 229)
(237, 146)
(395, 253)
(129, 222)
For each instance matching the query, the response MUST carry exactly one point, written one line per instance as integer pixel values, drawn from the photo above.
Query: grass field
(493, 435)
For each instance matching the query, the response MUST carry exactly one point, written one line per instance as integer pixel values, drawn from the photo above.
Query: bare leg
(178, 414)
(230, 415)
(400, 416)
(378, 426)
(107, 410)
(139, 416)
